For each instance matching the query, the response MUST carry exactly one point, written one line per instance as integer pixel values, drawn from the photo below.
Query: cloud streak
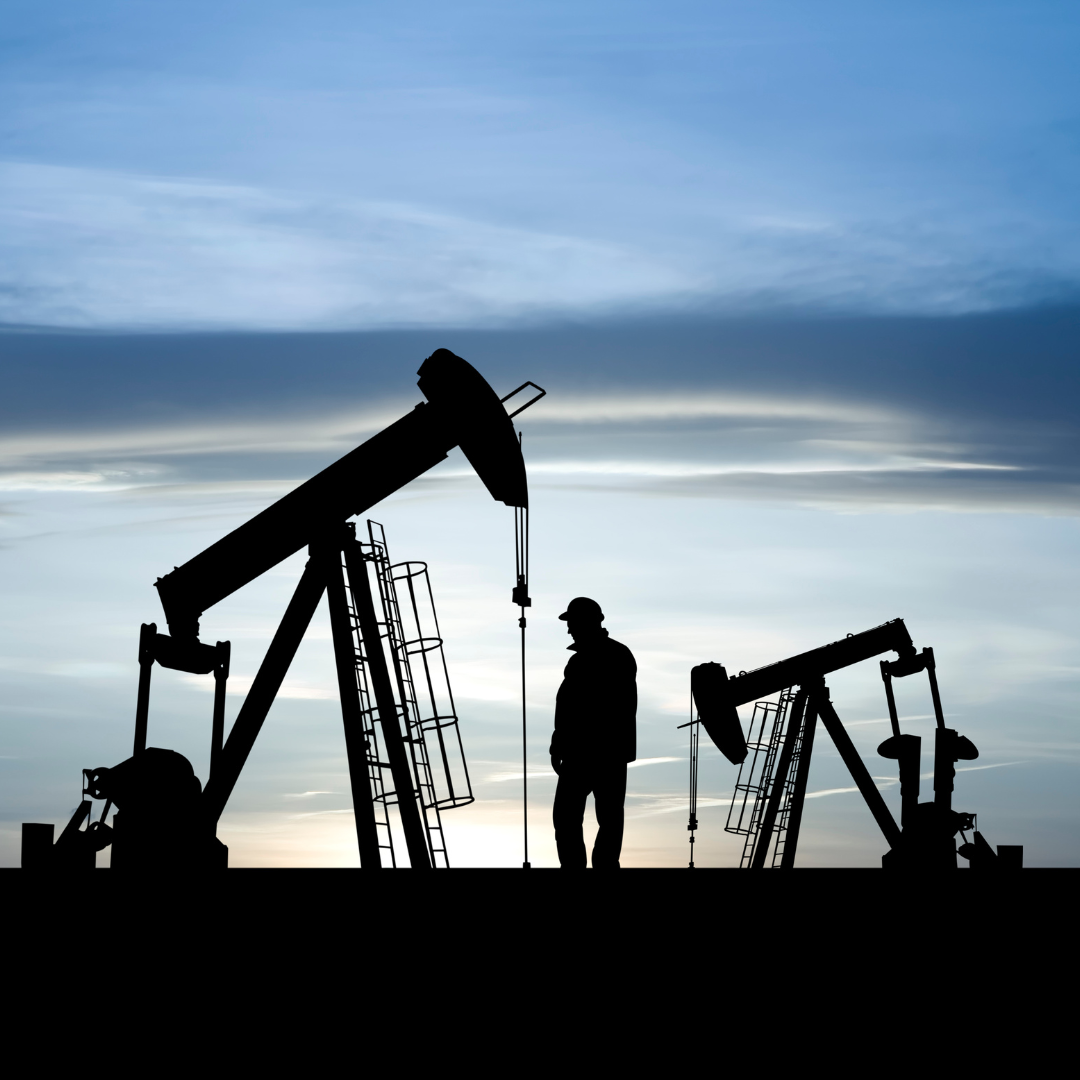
(97, 248)
(92, 248)
(824, 452)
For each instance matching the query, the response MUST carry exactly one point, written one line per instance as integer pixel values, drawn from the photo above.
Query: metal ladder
(783, 817)
(755, 781)
(378, 767)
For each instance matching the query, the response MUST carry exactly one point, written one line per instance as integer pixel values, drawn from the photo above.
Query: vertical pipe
(798, 790)
(909, 761)
(142, 703)
(886, 678)
(695, 743)
(367, 834)
(217, 733)
(944, 771)
(525, 864)
(908, 747)
(931, 671)
(415, 835)
(520, 596)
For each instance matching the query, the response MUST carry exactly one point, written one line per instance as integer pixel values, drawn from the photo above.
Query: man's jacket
(596, 707)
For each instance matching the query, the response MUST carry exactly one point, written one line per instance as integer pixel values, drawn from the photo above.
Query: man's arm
(555, 749)
(556, 756)
(625, 695)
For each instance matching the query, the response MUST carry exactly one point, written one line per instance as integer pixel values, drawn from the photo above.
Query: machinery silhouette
(774, 763)
(401, 733)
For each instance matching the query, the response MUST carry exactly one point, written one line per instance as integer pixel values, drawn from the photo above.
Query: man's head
(583, 618)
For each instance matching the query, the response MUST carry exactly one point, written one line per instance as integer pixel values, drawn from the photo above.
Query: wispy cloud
(650, 805)
(884, 782)
(686, 470)
(824, 452)
(858, 490)
(279, 434)
(85, 247)
(239, 685)
(707, 405)
(549, 774)
(93, 248)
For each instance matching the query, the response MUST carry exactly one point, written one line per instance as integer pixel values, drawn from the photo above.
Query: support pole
(944, 767)
(367, 834)
(142, 702)
(909, 764)
(413, 827)
(260, 697)
(772, 809)
(798, 790)
(906, 749)
(520, 596)
(855, 765)
(525, 864)
(886, 678)
(221, 678)
(931, 671)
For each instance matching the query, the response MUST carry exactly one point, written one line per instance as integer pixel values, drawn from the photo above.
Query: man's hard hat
(581, 607)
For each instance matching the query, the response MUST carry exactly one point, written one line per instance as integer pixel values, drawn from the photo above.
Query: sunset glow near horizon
(803, 288)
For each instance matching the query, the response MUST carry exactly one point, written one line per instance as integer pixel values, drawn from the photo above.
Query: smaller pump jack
(771, 787)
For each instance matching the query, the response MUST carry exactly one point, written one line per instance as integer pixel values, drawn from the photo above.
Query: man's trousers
(606, 781)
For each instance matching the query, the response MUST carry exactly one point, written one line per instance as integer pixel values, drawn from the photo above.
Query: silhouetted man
(595, 736)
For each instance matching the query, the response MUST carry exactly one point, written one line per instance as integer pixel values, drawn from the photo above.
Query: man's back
(596, 706)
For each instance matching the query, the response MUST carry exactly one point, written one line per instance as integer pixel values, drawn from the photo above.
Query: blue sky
(801, 282)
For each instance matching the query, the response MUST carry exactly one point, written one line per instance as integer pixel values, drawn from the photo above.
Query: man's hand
(556, 764)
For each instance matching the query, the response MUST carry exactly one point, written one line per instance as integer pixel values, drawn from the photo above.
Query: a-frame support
(811, 703)
(324, 573)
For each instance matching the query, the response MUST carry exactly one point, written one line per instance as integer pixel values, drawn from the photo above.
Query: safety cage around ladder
(410, 629)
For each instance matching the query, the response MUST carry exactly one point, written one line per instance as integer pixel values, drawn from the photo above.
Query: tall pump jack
(771, 788)
(165, 818)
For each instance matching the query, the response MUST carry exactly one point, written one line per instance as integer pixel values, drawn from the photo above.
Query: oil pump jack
(165, 818)
(774, 762)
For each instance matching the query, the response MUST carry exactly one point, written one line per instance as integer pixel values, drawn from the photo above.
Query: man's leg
(609, 794)
(568, 815)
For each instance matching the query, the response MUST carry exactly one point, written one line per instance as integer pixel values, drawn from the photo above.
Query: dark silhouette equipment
(774, 762)
(401, 732)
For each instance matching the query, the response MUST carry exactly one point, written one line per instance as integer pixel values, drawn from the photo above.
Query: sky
(802, 284)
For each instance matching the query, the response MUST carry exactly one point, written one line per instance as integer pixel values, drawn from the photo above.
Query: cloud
(90, 248)
(54, 481)
(239, 685)
(712, 404)
(824, 451)
(68, 669)
(889, 490)
(883, 782)
(650, 805)
(94, 248)
(325, 433)
(549, 774)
